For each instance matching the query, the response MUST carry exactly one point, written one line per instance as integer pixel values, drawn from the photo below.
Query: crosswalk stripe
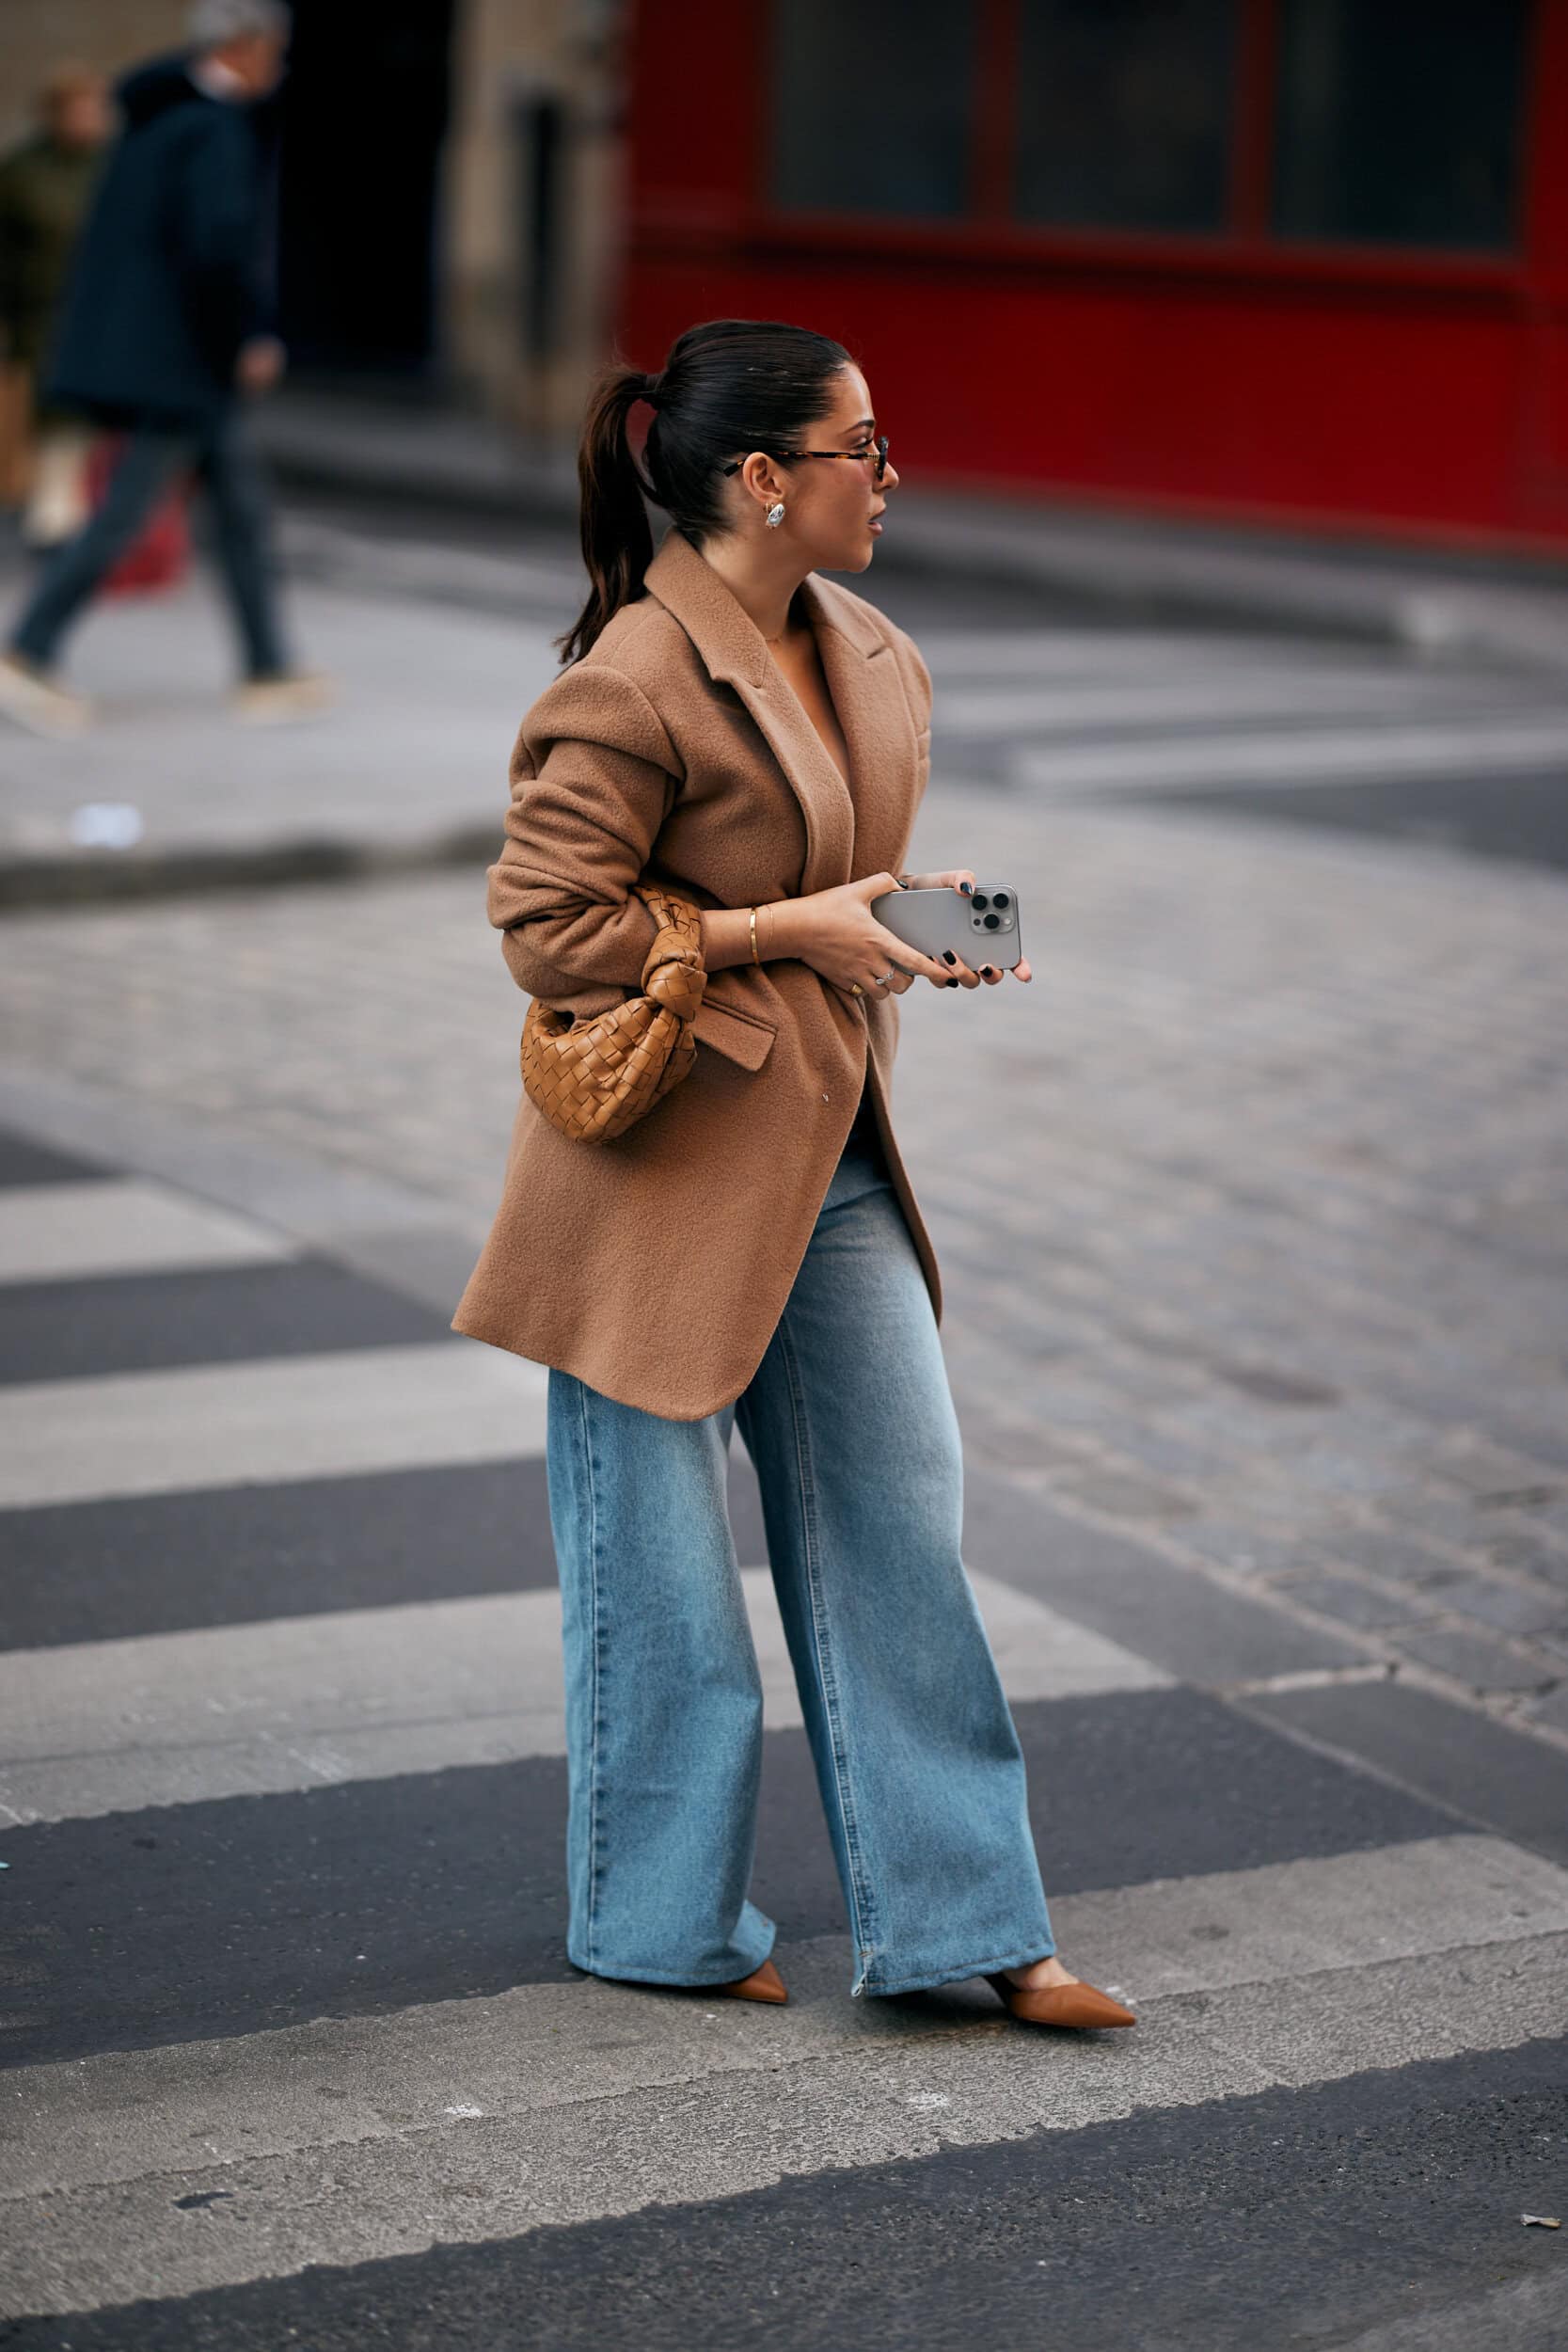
(959, 654)
(1083, 711)
(121, 2114)
(473, 2120)
(411, 566)
(298, 1702)
(121, 1225)
(1124, 704)
(1269, 757)
(276, 1418)
(360, 1898)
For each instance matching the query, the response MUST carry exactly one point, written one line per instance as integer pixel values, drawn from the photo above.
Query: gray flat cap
(212, 21)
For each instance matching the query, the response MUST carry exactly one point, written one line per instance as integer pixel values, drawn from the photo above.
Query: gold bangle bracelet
(755, 958)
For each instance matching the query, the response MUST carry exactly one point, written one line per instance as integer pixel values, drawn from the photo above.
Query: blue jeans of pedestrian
(850, 1425)
(230, 472)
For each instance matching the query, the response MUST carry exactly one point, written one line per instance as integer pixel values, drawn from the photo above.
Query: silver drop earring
(775, 515)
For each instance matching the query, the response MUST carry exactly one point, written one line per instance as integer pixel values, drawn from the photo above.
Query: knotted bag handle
(594, 1080)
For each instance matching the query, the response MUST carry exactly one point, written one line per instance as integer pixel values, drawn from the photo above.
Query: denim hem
(662, 1976)
(1020, 1959)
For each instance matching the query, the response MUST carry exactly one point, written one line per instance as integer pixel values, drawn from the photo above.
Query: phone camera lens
(999, 899)
(979, 902)
(993, 922)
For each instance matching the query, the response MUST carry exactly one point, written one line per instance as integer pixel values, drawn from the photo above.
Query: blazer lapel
(733, 650)
(878, 733)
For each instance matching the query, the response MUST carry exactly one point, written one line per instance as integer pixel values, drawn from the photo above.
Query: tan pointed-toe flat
(763, 1984)
(1073, 2004)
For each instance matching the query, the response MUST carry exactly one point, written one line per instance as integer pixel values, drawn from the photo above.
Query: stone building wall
(38, 35)
(510, 56)
(507, 55)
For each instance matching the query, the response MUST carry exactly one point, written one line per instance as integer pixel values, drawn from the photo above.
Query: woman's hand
(961, 878)
(837, 934)
(259, 364)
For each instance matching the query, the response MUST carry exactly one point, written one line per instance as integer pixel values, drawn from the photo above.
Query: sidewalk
(439, 647)
(167, 792)
(1513, 611)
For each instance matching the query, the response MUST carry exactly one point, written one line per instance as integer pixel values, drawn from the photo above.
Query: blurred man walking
(46, 184)
(167, 327)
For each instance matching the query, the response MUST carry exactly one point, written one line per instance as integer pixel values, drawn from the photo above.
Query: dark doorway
(363, 116)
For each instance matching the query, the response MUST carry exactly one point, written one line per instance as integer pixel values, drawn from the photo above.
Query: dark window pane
(1400, 123)
(871, 105)
(1124, 112)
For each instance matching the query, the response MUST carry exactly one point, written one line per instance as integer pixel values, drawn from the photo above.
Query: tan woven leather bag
(594, 1078)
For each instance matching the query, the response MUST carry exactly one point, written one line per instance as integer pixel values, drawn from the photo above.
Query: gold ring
(855, 989)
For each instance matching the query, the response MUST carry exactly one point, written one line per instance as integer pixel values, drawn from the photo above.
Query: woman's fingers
(903, 966)
(903, 957)
(953, 973)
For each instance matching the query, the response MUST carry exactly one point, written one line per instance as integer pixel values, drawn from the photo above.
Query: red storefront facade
(1294, 264)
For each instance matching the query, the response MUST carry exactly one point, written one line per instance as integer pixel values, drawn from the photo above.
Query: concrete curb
(112, 877)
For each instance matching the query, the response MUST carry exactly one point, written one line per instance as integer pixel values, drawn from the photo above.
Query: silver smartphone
(982, 930)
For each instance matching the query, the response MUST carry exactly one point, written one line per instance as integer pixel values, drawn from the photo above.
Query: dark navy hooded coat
(171, 274)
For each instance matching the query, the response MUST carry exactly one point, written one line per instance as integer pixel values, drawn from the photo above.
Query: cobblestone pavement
(1253, 1210)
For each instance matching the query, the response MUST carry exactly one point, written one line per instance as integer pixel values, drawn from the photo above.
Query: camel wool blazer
(655, 1267)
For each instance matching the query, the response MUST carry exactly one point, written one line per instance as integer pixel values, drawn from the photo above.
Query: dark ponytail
(727, 387)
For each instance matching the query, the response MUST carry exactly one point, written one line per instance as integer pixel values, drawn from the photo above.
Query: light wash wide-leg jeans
(850, 1424)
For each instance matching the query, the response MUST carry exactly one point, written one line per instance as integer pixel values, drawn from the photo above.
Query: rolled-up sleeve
(594, 776)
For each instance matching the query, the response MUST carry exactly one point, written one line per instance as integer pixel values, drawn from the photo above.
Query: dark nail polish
(948, 957)
(952, 983)
(968, 889)
(987, 968)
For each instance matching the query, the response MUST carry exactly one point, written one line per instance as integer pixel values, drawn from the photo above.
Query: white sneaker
(294, 694)
(31, 697)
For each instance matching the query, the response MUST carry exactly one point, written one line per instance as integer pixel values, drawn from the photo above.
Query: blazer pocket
(741, 1036)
